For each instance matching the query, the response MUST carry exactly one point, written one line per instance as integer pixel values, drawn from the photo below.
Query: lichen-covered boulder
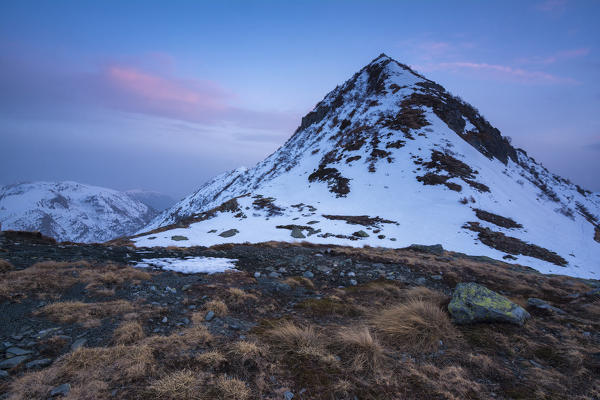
(473, 303)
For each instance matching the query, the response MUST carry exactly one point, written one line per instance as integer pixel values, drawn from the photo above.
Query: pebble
(209, 316)
(165, 320)
(353, 282)
(274, 274)
(13, 362)
(351, 273)
(288, 395)
(17, 351)
(78, 343)
(44, 362)
(308, 274)
(257, 274)
(3, 374)
(61, 390)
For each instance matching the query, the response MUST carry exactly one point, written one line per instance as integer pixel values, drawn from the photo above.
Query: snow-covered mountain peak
(397, 155)
(71, 211)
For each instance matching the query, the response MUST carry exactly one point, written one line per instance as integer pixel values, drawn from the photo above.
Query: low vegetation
(380, 338)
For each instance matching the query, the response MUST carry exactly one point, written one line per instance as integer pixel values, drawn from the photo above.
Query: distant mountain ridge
(156, 200)
(391, 158)
(71, 211)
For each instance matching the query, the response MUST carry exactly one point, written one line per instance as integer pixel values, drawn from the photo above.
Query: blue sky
(163, 95)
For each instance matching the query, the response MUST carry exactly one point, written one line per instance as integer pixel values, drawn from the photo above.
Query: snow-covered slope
(391, 158)
(70, 211)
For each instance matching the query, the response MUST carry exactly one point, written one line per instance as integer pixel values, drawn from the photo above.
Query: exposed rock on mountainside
(393, 147)
(70, 211)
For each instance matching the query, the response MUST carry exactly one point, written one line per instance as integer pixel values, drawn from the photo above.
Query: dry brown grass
(306, 342)
(217, 306)
(300, 281)
(422, 293)
(212, 359)
(49, 278)
(416, 325)
(5, 266)
(128, 333)
(237, 297)
(89, 370)
(230, 389)
(179, 385)
(86, 314)
(360, 349)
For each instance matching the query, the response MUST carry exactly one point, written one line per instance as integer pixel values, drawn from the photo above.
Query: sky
(162, 96)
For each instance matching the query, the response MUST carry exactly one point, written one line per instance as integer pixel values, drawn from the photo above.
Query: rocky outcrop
(472, 303)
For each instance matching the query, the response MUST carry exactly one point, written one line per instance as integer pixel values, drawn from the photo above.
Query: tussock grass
(212, 359)
(128, 333)
(226, 388)
(360, 349)
(179, 385)
(90, 371)
(300, 281)
(49, 278)
(217, 306)
(86, 314)
(416, 325)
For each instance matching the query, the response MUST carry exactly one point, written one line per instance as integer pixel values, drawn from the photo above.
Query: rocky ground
(293, 321)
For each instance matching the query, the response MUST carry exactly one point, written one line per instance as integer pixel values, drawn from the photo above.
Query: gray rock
(436, 277)
(178, 238)
(209, 316)
(165, 320)
(436, 249)
(17, 351)
(3, 374)
(473, 303)
(61, 390)
(308, 274)
(288, 395)
(542, 305)
(361, 234)
(297, 233)
(353, 282)
(78, 343)
(13, 362)
(44, 362)
(274, 274)
(257, 274)
(229, 233)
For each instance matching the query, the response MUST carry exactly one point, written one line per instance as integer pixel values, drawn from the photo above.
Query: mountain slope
(70, 211)
(391, 158)
(156, 200)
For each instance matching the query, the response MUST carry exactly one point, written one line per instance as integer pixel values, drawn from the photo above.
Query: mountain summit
(390, 158)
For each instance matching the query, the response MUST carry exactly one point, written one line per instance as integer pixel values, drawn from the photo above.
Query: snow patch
(190, 265)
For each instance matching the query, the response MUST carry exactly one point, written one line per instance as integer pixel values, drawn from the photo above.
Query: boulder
(436, 249)
(229, 233)
(361, 234)
(540, 304)
(297, 233)
(472, 303)
(179, 238)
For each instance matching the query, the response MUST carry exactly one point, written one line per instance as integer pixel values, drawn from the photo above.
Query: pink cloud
(502, 71)
(146, 92)
(557, 57)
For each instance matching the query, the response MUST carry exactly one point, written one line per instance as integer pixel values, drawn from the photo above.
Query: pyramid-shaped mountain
(391, 158)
